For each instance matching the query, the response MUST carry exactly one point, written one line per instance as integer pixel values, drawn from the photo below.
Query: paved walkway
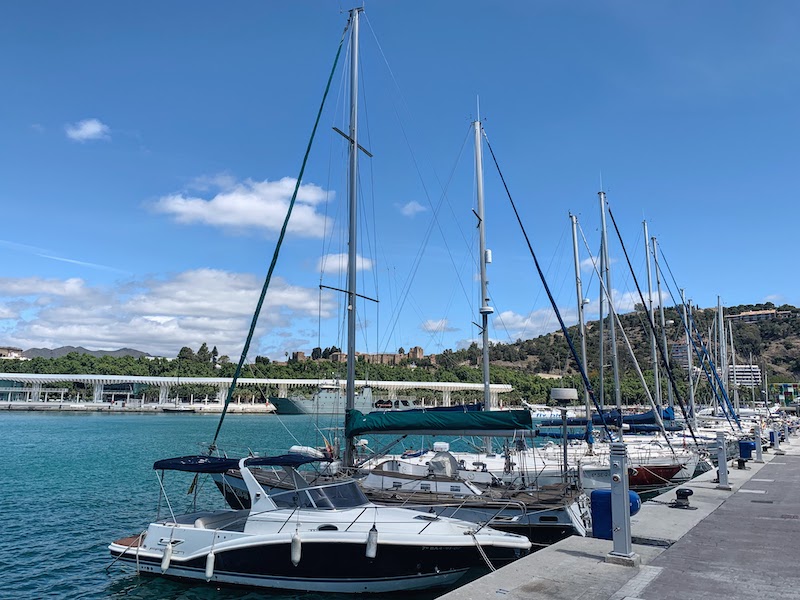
(738, 544)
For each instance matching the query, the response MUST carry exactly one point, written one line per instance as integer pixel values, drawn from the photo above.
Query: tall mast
(485, 259)
(687, 314)
(650, 308)
(601, 332)
(581, 324)
(353, 220)
(733, 368)
(665, 348)
(612, 327)
(723, 350)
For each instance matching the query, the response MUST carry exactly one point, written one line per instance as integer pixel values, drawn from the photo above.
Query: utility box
(601, 512)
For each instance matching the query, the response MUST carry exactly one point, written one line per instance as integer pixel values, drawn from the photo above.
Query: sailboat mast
(581, 318)
(612, 329)
(687, 313)
(485, 258)
(651, 310)
(601, 334)
(733, 367)
(353, 220)
(664, 346)
(723, 350)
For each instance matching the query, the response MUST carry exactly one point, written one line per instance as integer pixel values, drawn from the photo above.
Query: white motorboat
(323, 538)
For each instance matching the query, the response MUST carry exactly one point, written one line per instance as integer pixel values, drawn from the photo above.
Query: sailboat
(451, 483)
(313, 537)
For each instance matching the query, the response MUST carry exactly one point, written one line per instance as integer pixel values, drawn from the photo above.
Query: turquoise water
(72, 483)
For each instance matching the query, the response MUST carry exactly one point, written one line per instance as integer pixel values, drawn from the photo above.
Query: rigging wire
(664, 359)
(434, 222)
(703, 356)
(568, 338)
(613, 314)
(278, 244)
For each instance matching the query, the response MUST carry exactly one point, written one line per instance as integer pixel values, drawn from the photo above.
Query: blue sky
(148, 151)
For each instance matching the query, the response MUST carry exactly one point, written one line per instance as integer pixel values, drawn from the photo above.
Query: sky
(149, 151)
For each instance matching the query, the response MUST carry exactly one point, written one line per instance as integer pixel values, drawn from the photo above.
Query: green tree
(186, 353)
(203, 355)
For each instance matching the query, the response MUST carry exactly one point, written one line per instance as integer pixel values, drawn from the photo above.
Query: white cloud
(88, 129)
(535, 323)
(250, 205)
(412, 208)
(157, 316)
(30, 286)
(589, 264)
(437, 326)
(332, 264)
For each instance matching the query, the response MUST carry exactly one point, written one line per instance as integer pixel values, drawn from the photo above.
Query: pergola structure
(37, 382)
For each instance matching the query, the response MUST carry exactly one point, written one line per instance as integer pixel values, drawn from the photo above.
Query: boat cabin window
(346, 494)
(338, 495)
(292, 499)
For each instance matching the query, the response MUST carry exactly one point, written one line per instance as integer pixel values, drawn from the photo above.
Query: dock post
(786, 432)
(722, 462)
(776, 436)
(622, 552)
(759, 450)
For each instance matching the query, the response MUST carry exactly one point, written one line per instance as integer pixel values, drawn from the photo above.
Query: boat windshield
(345, 494)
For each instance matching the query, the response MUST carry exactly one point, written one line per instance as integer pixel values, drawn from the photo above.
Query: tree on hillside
(186, 353)
(203, 355)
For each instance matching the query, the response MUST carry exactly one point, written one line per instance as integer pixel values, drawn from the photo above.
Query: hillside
(64, 350)
(532, 366)
(775, 341)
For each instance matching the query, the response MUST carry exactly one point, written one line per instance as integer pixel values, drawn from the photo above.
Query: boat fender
(372, 542)
(297, 549)
(307, 451)
(165, 560)
(210, 559)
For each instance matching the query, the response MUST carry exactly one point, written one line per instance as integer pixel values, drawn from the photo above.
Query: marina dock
(738, 543)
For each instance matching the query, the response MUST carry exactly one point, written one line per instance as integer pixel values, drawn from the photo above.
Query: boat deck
(130, 542)
(737, 544)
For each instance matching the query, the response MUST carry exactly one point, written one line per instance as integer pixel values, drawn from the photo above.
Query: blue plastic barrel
(601, 512)
(746, 448)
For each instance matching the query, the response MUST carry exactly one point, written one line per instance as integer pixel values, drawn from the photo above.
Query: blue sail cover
(613, 417)
(488, 423)
(215, 464)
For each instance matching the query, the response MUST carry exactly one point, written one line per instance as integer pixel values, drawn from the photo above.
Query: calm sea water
(72, 483)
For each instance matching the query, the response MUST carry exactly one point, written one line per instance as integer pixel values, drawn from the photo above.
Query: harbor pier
(732, 544)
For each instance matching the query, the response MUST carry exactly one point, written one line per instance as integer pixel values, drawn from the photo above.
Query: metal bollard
(776, 434)
(759, 450)
(786, 432)
(722, 462)
(622, 553)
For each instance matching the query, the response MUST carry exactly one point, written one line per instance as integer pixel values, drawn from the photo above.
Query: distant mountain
(64, 350)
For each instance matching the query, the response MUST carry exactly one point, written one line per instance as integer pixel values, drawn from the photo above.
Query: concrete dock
(739, 543)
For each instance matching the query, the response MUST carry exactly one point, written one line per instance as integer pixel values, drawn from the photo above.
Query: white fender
(307, 451)
(166, 558)
(372, 542)
(210, 560)
(296, 549)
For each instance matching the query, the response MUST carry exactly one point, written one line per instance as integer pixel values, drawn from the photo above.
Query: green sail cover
(489, 423)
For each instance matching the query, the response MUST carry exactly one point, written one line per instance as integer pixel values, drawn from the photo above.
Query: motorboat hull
(329, 561)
